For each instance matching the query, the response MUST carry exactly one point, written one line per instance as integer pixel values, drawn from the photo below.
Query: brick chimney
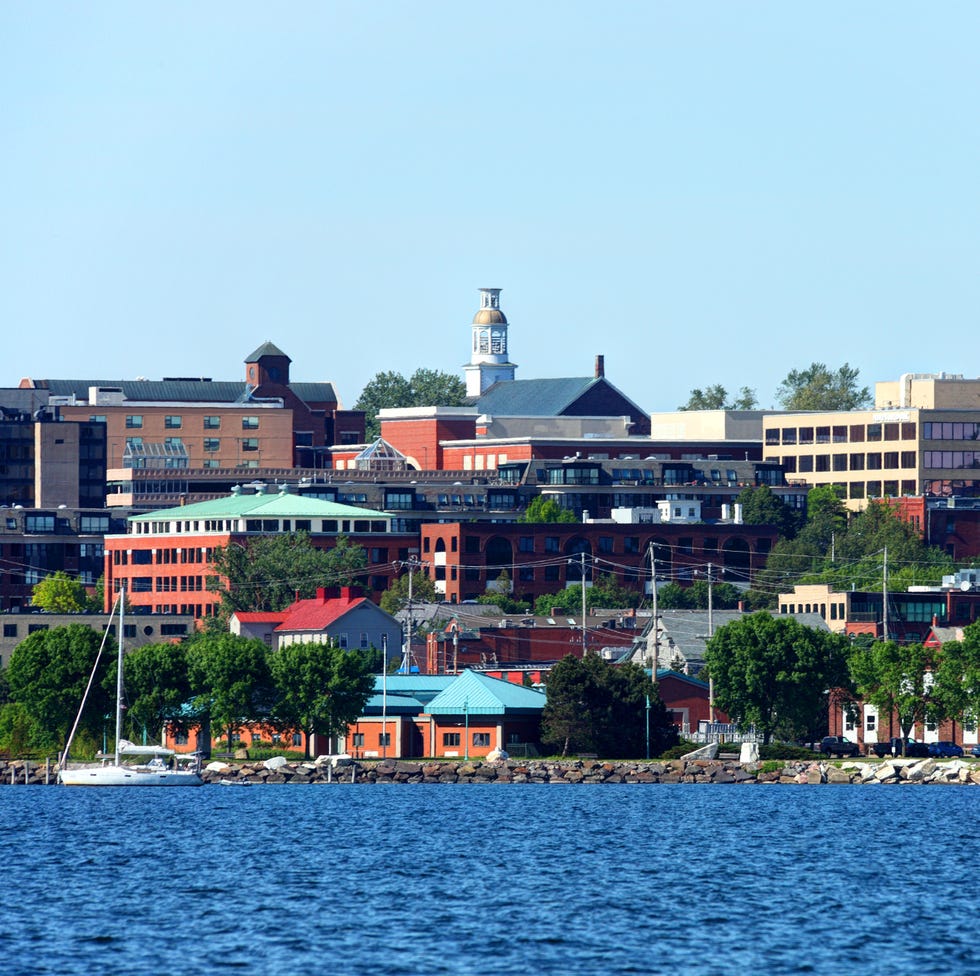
(600, 367)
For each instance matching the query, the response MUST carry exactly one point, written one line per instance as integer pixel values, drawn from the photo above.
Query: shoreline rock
(559, 772)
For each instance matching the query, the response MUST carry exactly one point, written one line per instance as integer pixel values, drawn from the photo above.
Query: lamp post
(466, 728)
(384, 696)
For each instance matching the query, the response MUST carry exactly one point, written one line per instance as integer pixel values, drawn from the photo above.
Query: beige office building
(921, 438)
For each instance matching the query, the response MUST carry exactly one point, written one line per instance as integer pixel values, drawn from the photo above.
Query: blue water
(281, 881)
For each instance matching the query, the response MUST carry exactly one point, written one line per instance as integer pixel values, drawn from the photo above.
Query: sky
(700, 192)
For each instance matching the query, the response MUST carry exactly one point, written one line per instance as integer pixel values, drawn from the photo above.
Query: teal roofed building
(166, 559)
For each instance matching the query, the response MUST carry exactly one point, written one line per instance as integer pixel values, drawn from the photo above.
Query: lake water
(282, 881)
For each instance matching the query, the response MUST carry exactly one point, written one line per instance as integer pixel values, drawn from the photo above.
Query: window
(39, 523)
(551, 543)
(450, 738)
(250, 423)
(481, 738)
(365, 642)
(173, 422)
(806, 463)
(357, 739)
(384, 739)
(212, 423)
(173, 443)
(526, 574)
(840, 462)
(133, 421)
(212, 445)
(250, 443)
(10, 630)
(870, 721)
(823, 462)
(526, 543)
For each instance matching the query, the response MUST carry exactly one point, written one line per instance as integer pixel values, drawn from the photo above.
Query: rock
(217, 767)
(497, 755)
(710, 751)
(276, 762)
(815, 776)
(749, 752)
(836, 774)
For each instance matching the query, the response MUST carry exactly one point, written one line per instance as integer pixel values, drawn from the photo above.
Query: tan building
(923, 438)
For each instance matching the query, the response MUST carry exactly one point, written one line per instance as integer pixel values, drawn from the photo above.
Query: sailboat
(149, 765)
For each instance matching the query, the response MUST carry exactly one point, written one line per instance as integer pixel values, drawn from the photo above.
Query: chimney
(600, 367)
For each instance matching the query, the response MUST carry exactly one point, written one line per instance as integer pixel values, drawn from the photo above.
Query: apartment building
(921, 438)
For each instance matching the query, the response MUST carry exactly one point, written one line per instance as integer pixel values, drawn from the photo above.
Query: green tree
(604, 594)
(957, 679)
(61, 593)
(772, 672)
(673, 596)
(760, 506)
(158, 689)
(229, 677)
(716, 397)
(595, 706)
(320, 689)
(48, 673)
(820, 388)
(544, 509)
(898, 679)
(268, 572)
(499, 595)
(395, 598)
(424, 388)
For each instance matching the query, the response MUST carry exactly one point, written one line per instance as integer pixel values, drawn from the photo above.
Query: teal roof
(424, 687)
(395, 705)
(473, 693)
(272, 505)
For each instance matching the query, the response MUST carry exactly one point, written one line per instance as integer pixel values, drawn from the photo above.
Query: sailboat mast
(119, 669)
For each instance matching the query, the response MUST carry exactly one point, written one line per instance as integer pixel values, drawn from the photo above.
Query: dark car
(838, 745)
(945, 749)
(893, 747)
(975, 751)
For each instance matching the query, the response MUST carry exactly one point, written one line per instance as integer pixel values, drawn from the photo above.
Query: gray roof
(686, 631)
(266, 349)
(183, 390)
(533, 398)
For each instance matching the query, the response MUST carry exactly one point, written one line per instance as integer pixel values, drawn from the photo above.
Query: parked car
(945, 749)
(975, 751)
(893, 747)
(838, 745)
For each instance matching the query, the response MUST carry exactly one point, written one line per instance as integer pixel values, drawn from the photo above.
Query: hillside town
(468, 546)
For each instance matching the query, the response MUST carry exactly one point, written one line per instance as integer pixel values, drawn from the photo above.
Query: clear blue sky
(701, 192)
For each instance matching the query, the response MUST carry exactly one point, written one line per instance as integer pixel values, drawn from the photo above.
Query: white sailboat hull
(129, 776)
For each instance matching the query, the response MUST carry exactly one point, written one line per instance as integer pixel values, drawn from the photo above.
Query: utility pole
(384, 696)
(584, 640)
(656, 622)
(711, 630)
(884, 597)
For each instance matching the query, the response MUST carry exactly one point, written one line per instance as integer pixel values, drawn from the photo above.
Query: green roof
(184, 390)
(273, 505)
(473, 693)
(266, 349)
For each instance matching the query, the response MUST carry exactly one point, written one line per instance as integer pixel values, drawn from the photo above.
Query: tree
(820, 388)
(898, 679)
(320, 689)
(761, 506)
(229, 677)
(957, 680)
(157, 688)
(716, 397)
(268, 572)
(390, 390)
(61, 593)
(544, 509)
(772, 672)
(595, 706)
(605, 593)
(48, 672)
(395, 598)
(498, 595)
(673, 596)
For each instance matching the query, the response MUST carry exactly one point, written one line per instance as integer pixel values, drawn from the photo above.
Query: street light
(466, 732)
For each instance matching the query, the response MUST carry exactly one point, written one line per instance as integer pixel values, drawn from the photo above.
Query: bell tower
(488, 350)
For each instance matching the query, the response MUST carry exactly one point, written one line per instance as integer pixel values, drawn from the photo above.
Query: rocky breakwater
(554, 771)
(572, 772)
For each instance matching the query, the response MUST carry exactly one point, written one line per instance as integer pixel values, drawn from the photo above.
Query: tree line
(214, 680)
(782, 678)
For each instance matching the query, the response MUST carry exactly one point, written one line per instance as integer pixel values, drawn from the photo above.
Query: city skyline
(738, 192)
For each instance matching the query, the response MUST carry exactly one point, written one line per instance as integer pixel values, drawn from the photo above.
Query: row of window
(876, 489)
(871, 461)
(134, 421)
(951, 459)
(841, 434)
